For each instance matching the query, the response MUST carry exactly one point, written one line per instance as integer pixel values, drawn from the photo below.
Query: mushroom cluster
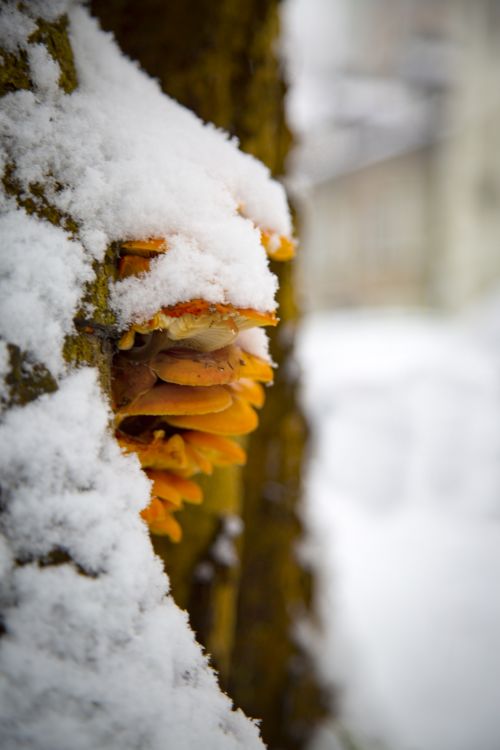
(184, 385)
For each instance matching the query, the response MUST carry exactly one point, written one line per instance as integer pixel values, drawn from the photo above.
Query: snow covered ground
(404, 521)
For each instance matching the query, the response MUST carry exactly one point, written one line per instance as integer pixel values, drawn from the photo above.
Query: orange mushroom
(145, 248)
(256, 368)
(171, 399)
(199, 324)
(155, 451)
(237, 419)
(158, 516)
(278, 246)
(185, 367)
(218, 449)
(181, 386)
(175, 489)
(250, 390)
(133, 265)
(130, 380)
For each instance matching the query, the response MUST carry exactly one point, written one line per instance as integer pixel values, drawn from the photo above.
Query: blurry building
(399, 125)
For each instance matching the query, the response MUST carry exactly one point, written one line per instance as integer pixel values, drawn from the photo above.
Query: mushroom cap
(278, 246)
(237, 419)
(155, 451)
(200, 325)
(199, 459)
(221, 451)
(175, 489)
(133, 265)
(145, 248)
(163, 489)
(130, 380)
(256, 368)
(158, 516)
(250, 390)
(186, 367)
(171, 399)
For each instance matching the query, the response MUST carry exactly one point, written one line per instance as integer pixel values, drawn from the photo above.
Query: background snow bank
(404, 518)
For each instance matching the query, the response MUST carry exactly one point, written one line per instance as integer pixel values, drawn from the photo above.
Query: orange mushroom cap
(186, 367)
(133, 265)
(237, 419)
(157, 452)
(171, 399)
(175, 489)
(221, 451)
(256, 368)
(130, 380)
(158, 516)
(163, 489)
(278, 246)
(145, 248)
(250, 390)
(200, 325)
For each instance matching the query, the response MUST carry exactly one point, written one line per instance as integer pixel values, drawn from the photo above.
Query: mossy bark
(93, 340)
(219, 60)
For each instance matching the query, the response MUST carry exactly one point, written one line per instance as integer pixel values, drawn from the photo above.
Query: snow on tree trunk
(93, 652)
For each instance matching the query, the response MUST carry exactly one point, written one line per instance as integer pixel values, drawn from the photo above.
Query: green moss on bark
(26, 379)
(34, 200)
(14, 71)
(54, 36)
(95, 331)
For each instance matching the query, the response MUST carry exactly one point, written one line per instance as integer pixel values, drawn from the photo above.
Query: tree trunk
(218, 59)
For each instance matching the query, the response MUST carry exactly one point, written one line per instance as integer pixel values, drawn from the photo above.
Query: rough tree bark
(93, 342)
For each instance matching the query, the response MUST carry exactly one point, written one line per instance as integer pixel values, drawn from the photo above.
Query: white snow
(95, 653)
(41, 277)
(127, 162)
(404, 519)
(255, 341)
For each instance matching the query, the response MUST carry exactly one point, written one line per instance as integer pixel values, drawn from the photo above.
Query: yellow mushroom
(219, 450)
(278, 246)
(186, 367)
(171, 399)
(158, 516)
(237, 419)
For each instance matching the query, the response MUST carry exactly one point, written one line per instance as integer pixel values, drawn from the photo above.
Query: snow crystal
(41, 278)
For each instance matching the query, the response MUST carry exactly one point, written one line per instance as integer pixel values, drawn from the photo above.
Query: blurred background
(395, 107)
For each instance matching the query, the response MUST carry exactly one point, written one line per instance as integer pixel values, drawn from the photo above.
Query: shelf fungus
(184, 387)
